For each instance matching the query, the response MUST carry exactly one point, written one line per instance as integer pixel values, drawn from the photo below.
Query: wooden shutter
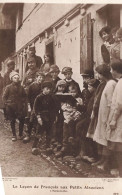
(86, 55)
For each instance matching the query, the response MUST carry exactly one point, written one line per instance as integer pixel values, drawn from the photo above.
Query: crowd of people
(67, 121)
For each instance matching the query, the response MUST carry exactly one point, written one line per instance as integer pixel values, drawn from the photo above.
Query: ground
(17, 160)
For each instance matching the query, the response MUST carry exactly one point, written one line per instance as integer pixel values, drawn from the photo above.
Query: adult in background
(38, 59)
(106, 35)
(10, 68)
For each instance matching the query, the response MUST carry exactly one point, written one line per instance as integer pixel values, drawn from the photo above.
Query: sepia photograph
(60, 98)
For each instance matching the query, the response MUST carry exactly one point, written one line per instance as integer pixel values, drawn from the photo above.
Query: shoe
(20, 137)
(26, 139)
(14, 138)
(35, 151)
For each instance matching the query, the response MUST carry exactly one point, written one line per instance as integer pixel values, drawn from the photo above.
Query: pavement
(17, 160)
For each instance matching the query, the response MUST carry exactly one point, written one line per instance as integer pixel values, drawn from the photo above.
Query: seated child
(45, 109)
(67, 71)
(72, 112)
(14, 98)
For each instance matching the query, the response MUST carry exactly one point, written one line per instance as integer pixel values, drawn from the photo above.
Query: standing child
(14, 98)
(45, 109)
(34, 89)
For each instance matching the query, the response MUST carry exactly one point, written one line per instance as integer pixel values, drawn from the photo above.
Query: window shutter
(86, 50)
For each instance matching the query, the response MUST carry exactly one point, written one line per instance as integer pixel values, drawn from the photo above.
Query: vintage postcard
(60, 97)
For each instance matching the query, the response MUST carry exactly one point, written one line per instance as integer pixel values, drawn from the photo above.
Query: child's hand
(113, 125)
(40, 121)
(29, 108)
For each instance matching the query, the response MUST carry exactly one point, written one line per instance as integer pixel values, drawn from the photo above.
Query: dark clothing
(85, 97)
(1, 91)
(74, 83)
(105, 54)
(29, 78)
(21, 125)
(46, 107)
(54, 82)
(14, 98)
(95, 110)
(6, 79)
(33, 91)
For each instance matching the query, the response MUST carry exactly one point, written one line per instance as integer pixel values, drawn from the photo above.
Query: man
(38, 59)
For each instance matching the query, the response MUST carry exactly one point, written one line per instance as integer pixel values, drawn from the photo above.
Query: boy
(67, 71)
(54, 72)
(45, 109)
(33, 91)
(14, 98)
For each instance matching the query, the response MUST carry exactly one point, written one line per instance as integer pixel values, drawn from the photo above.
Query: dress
(115, 136)
(105, 103)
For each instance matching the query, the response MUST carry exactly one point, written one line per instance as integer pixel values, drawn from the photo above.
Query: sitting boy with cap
(67, 71)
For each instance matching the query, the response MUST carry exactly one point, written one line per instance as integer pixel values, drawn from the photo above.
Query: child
(114, 127)
(14, 98)
(34, 89)
(67, 71)
(54, 72)
(58, 126)
(72, 112)
(31, 73)
(45, 109)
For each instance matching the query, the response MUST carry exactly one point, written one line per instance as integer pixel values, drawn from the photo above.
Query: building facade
(70, 32)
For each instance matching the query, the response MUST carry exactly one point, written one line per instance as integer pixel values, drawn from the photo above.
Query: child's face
(46, 90)
(61, 88)
(90, 88)
(114, 73)
(54, 75)
(73, 91)
(15, 79)
(31, 65)
(101, 77)
(68, 75)
(39, 79)
(47, 58)
(119, 38)
(105, 36)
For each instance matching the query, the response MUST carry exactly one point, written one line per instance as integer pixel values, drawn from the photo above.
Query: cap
(66, 69)
(12, 74)
(88, 73)
(54, 68)
(47, 84)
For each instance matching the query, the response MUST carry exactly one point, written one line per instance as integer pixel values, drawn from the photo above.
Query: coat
(14, 98)
(116, 114)
(95, 110)
(100, 134)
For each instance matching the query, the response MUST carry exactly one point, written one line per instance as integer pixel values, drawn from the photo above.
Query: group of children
(86, 124)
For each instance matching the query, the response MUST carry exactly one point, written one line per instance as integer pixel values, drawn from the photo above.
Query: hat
(40, 74)
(103, 69)
(47, 84)
(94, 83)
(60, 82)
(10, 62)
(12, 74)
(119, 32)
(31, 59)
(32, 49)
(88, 73)
(106, 29)
(66, 69)
(54, 68)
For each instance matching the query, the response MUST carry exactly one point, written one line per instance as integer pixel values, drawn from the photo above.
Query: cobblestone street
(17, 160)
